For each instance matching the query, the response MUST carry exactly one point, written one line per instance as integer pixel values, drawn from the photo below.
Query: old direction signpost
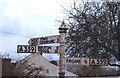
(44, 40)
(34, 49)
(34, 46)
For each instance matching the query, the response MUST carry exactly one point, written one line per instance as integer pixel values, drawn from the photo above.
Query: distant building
(7, 67)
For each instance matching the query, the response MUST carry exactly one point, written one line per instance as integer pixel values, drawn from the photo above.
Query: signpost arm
(62, 31)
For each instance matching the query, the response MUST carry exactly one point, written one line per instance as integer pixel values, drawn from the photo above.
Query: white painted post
(62, 31)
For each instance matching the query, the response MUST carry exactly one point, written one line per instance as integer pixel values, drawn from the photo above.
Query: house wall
(37, 61)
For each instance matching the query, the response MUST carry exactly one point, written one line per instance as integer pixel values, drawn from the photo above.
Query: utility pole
(62, 31)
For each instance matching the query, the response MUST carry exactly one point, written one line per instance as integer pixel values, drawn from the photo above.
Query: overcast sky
(21, 20)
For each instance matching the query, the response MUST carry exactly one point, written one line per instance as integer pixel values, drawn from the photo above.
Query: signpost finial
(63, 28)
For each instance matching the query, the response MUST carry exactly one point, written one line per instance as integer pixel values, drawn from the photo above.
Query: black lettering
(67, 60)
(85, 61)
(39, 48)
(43, 40)
(42, 49)
(35, 41)
(92, 61)
(98, 61)
(25, 49)
(57, 40)
(52, 41)
(103, 62)
(70, 60)
(46, 49)
(50, 47)
(73, 61)
(76, 61)
(56, 49)
(32, 48)
(21, 49)
(28, 48)
(46, 42)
